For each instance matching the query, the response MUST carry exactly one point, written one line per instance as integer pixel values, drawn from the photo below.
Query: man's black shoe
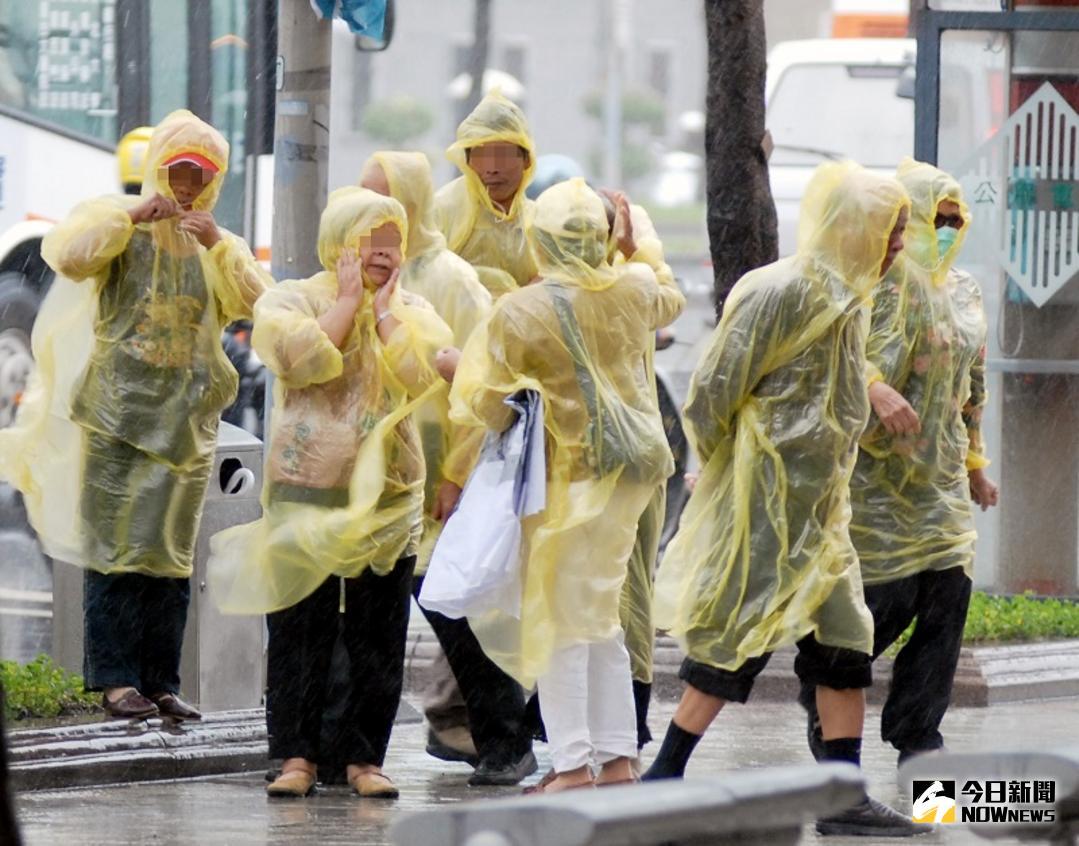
(870, 818)
(504, 773)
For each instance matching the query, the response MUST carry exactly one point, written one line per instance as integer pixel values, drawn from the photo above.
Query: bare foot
(570, 780)
(618, 771)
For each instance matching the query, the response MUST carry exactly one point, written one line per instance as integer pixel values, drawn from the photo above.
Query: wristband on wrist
(383, 316)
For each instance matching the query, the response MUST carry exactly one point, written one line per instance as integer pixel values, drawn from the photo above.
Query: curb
(986, 675)
(118, 752)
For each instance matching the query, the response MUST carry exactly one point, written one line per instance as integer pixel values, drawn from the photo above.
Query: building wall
(559, 45)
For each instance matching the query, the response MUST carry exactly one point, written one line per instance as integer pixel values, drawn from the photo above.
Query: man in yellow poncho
(115, 444)
(763, 557)
(493, 703)
(579, 336)
(483, 212)
(344, 492)
(921, 461)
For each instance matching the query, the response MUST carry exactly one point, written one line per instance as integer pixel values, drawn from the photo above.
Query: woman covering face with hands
(353, 356)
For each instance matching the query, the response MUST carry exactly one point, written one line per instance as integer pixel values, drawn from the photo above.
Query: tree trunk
(741, 214)
(481, 29)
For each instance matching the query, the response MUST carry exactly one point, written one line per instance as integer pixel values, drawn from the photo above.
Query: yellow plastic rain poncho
(763, 555)
(635, 607)
(114, 444)
(910, 495)
(492, 241)
(450, 285)
(580, 338)
(345, 470)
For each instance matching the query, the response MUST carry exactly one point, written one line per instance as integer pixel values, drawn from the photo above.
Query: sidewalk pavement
(235, 741)
(234, 810)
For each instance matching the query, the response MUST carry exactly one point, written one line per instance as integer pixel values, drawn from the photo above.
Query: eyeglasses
(953, 220)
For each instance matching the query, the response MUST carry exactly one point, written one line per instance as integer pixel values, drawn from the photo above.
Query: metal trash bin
(223, 657)
(223, 660)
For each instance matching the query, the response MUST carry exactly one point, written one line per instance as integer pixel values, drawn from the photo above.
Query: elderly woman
(336, 547)
(580, 337)
(920, 467)
(763, 558)
(115, 441)
(494, 703)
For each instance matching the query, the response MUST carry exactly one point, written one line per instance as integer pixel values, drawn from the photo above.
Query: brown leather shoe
(373, 785)
(131, 706)
(172, 706)
(294, 784)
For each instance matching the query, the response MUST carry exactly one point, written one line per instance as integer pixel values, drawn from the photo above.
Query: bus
(75, 76)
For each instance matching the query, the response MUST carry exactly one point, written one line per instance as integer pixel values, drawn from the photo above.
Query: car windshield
(840, 111)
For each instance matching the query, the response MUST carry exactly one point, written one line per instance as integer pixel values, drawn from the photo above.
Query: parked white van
(835, 98)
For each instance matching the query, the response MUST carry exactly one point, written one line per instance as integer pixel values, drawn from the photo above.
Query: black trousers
(495, 702)
(816, 664)
(374, 629)
(923, 673)
(134, 631)
(9, 828)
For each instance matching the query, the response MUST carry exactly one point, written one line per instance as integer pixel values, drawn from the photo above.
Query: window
(58, 62)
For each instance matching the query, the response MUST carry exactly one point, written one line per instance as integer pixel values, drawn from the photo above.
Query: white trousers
(586, 697)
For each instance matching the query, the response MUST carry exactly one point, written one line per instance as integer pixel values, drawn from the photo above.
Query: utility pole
(301, 138)
(617, 42)
(477, 61)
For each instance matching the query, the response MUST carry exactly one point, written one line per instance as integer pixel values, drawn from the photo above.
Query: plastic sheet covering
(763, 555)
(635, 606)
(579, 337)
(636, 603)
(491, 240)
(114, 441)
(910, 494)
(450, 284)
(345, 470)
(476, 567)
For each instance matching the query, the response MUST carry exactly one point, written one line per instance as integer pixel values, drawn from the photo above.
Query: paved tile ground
(234, 810)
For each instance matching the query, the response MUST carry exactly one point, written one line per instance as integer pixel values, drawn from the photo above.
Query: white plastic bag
(476, 566)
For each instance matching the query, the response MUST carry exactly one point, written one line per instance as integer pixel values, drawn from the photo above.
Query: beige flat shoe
(371, 785)
(295, 784)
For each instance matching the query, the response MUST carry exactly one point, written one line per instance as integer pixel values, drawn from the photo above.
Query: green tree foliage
(397, 120)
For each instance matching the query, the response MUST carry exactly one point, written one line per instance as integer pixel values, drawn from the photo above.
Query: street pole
(617, 39)
(301, 147)
(301, 138)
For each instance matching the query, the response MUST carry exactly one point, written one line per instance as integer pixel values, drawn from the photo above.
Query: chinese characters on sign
(76, 56)
(1017, 800)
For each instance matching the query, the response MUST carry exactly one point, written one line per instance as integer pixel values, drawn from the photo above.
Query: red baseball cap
(196, 159)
